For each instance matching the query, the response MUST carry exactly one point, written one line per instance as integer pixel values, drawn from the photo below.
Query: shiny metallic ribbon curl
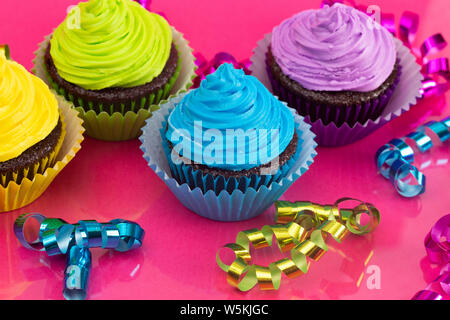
(145, 3)
(303, 229)
(437, 245)
(436, 71)
(394, 159)
(57, 237)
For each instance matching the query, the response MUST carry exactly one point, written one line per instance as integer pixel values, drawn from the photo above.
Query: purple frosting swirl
(335, 48)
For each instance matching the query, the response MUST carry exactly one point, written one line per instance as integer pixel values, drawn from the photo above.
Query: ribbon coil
(302, 229)
(394, 159)
(437, 245)
(57, 237)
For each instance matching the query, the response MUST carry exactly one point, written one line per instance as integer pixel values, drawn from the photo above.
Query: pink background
(177, 261)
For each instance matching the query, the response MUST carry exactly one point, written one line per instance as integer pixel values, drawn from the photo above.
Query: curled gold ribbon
(299, 211)
(303, 229)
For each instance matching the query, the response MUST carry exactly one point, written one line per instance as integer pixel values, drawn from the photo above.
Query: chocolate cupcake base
(120, 100)
(35, 159)
(332, 107)
(216, 179)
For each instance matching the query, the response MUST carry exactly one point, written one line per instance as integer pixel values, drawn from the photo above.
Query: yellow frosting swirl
(28, 110)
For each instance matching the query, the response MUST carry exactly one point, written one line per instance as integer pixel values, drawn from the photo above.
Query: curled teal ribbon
(394, 159)
(57, 237)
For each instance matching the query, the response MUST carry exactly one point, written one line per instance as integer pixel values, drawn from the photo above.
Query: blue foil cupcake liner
(224, 206)
(405, 95)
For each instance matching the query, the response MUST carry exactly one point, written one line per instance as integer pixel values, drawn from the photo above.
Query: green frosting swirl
(111, 43)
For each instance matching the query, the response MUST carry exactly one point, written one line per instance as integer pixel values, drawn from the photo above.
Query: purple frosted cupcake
(335, 64)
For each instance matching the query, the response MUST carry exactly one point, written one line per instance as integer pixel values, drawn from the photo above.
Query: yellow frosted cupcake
(39, 134)
(31, 127)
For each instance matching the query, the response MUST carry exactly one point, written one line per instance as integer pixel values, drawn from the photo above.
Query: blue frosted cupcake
(228, 149)
(230, 133)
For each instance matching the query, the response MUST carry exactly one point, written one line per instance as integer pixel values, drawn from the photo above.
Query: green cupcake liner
(119, 126)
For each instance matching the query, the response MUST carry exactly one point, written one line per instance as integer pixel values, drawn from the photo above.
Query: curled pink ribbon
(146, 4)
(206, 67)
(437, 245)
(436, 71)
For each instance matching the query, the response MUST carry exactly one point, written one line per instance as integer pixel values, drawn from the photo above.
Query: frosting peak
(28, 110)
(111, 43)
(335, 48)
(242, 124)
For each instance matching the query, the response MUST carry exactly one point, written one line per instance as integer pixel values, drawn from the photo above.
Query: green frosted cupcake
(115, 61)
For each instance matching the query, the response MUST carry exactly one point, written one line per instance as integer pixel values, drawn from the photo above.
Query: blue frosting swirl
(230, 122)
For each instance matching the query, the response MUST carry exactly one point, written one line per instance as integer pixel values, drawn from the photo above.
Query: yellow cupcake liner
(14, 195)
(39, 167)
(119, 126)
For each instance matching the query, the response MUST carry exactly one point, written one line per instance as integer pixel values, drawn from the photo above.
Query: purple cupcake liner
(402, 94)
(350, 115)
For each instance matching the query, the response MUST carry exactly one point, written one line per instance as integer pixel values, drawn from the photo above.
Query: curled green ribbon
(303, 229)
